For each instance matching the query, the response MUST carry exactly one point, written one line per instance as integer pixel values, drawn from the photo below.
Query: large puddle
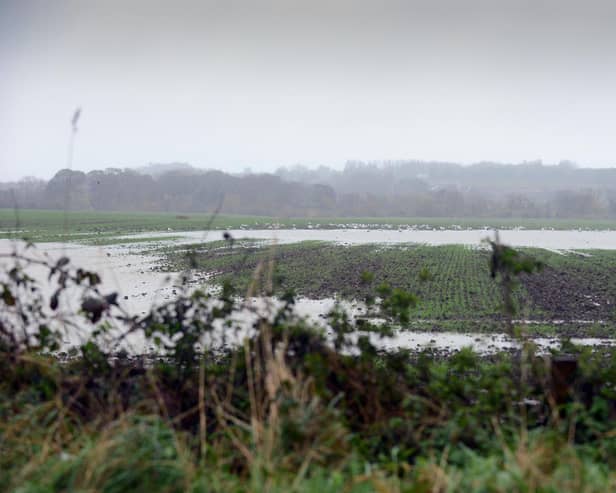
(544, 238)
(141, 287)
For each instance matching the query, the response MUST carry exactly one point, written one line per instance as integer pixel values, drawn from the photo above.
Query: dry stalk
(202, 415)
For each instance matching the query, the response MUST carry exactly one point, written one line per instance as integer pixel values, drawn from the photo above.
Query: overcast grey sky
(234, 84)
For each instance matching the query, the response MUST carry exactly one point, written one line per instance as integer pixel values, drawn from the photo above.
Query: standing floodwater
(542, 238)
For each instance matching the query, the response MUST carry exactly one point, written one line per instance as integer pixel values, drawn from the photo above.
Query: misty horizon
(175, 166)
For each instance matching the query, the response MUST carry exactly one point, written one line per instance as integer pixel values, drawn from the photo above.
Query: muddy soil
(572, 295)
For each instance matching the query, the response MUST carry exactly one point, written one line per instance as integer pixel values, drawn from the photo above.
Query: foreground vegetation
(289, 409)
(57, 225)
(453, 283)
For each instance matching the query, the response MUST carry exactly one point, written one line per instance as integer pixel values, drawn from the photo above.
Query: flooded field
(140, 286)
(543, 238)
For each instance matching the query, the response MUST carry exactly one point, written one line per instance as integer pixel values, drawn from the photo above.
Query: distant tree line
(409, 188)
(174, 191)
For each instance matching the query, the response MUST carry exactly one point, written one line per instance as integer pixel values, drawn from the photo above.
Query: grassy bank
(452, 283)
(49, 225)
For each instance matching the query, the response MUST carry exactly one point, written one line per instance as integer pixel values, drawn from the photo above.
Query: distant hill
(385, 178)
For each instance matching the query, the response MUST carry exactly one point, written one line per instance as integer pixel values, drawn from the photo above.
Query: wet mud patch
(575, 293)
